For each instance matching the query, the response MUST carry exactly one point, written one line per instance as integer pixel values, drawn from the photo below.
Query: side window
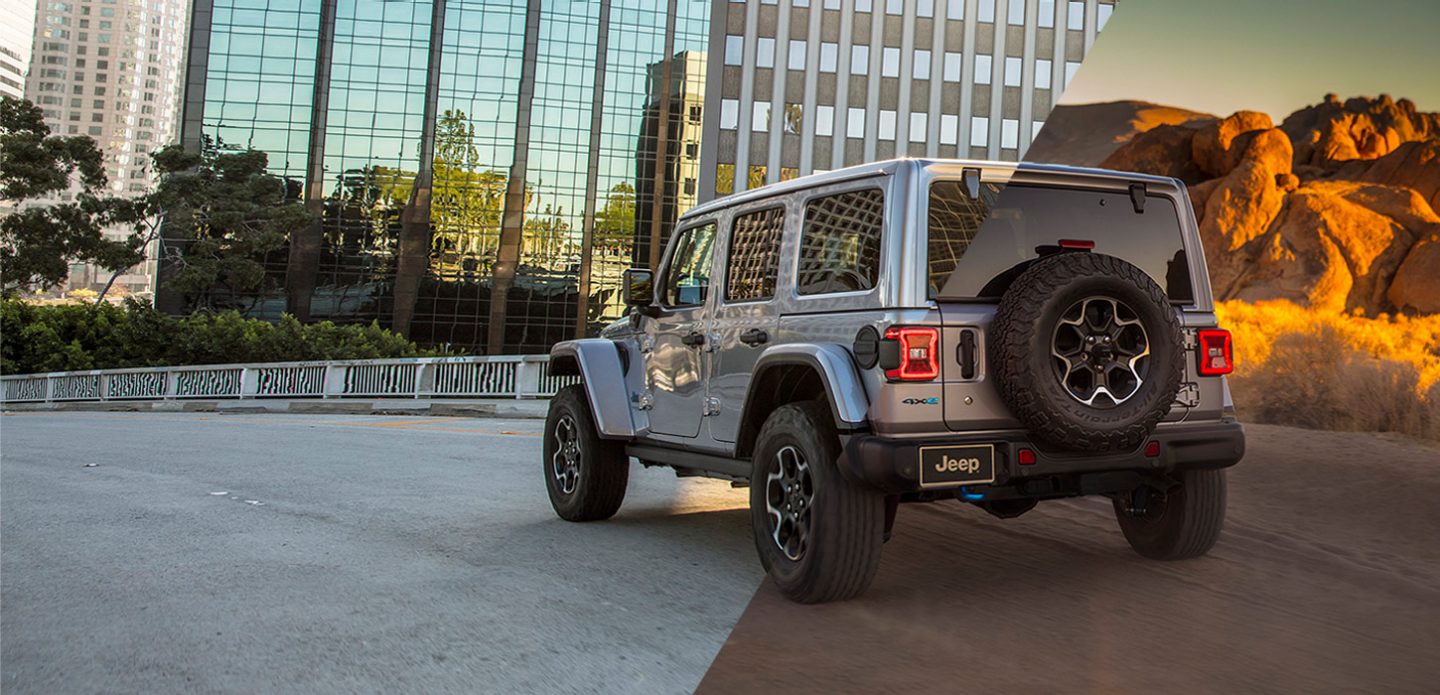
(754, 263)
(687, 277)
(840, 245)
(954, 221)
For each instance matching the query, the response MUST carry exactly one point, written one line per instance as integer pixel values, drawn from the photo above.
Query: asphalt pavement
(190, 552)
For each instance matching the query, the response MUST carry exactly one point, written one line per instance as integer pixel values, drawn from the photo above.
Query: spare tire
(1087, 352)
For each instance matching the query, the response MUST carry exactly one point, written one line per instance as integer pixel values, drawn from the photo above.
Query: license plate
(957, 465)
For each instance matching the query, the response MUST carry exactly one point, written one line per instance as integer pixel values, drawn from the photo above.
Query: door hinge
(712, 406)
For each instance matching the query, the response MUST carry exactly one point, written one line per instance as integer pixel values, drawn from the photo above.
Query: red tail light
(1077, 244)
(919, 353)
(1215, 352)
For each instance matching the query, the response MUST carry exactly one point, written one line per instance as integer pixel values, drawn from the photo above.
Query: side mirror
(639, 287)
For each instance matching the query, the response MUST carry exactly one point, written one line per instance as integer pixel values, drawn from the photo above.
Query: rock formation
(1335, 208)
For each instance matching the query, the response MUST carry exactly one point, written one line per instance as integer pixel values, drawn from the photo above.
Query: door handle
(694, 339)
(755, 336)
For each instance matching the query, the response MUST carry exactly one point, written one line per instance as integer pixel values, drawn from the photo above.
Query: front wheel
(818, 534)
(1180, 523)
(584, 474)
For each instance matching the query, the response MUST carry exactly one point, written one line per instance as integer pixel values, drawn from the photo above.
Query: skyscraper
(811, 85)
(110, 69)
(17, 33)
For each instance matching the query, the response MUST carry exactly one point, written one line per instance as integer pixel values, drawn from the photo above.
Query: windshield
(977, 246)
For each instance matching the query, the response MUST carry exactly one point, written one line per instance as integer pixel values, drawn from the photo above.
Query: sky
(1275, 56)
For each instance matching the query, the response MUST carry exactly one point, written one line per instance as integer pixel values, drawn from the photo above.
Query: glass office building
(484, 169)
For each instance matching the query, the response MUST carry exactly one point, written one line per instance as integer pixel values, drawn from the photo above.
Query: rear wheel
(584, 474)
(818, 534)
(1180, 523)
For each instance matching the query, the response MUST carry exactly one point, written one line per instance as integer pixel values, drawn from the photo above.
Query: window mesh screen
(755, 255)
(955, 219)
(840, 246)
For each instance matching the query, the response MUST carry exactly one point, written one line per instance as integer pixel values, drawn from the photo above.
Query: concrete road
(294, 553)
(1327, 579)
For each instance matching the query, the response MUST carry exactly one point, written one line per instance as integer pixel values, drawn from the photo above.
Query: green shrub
(53, 338)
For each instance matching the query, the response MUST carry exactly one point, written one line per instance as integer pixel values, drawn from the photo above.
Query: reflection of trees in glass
(725, 179)
(794, 115)
(547, 236)
(467, 201)
(615, 222)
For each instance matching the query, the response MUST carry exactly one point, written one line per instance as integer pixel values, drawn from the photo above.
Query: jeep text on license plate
(956, 465)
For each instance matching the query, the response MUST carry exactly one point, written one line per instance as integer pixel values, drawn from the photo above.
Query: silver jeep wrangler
(907, 331)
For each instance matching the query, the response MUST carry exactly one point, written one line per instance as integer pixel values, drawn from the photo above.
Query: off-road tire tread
(605, 469)
(1192, 532)
(843, 561)
(1017, 318)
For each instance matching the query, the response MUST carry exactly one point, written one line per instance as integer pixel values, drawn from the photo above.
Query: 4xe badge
(956, 465)
(921, 401)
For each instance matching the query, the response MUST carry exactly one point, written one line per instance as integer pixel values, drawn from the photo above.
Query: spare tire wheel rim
(1100, 352)
(565, 462)
(789, 496)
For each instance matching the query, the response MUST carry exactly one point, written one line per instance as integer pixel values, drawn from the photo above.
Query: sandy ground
(1327, 579)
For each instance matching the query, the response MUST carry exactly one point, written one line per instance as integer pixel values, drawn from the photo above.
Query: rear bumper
(892, 465)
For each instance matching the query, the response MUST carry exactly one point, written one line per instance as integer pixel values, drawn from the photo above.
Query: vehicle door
(746, 317)
(675, 363)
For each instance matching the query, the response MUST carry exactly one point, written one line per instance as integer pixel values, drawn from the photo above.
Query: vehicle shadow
(1057, 598)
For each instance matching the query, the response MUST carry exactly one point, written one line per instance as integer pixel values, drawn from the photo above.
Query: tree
(39, 239)
(224, 212)
(615, 223)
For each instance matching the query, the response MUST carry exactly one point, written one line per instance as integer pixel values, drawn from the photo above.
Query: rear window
(977, 246)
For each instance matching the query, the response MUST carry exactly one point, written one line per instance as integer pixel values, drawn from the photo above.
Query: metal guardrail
(505, 376)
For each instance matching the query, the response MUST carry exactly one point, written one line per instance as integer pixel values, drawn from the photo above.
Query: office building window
(765, 53)
(890, 62)
(1035, 129)
(1009, 133)
(729, 114)
(887, 124)
(986, 11)
(894, 6)
(955, 9)
(1042, 73)
(979, 131)
(1071, 67)
(797, 55)
(825, 120)
(1103, 16)
(920, 70)
(1013, 68)
(952, 67)
(829, 56)
(1046, 14)
(734, 50)
(760, 117)
(1016, 14)
(982, 69)
(1076, 19)
(855, 123)
(925, 8)
(859, 60)
(949, 129)
(919, 124)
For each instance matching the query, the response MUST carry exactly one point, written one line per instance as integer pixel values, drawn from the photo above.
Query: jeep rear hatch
(978, 246)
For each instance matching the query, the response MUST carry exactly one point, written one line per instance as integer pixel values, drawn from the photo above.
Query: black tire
(1028, 324)
(594, 488)
(846, 522)
(1182, 523)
